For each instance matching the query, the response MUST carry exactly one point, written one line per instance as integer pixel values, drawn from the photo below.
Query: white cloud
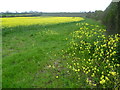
(54, 5)
(115, 0)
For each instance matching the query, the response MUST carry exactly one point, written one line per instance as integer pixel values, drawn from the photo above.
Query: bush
(94, 54)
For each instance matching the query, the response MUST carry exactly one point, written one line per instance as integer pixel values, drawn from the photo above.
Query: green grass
(27, 52)
(33, 57)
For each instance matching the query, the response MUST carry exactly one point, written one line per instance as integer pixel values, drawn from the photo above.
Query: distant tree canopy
(97, 15)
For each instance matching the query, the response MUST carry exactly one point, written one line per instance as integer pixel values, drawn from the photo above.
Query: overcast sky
(53, 5)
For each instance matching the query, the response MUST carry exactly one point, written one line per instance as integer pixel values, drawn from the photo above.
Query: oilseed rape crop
(22, 21)
(96, 55)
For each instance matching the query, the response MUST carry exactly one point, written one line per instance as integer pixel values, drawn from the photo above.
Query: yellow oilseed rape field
(18, 21)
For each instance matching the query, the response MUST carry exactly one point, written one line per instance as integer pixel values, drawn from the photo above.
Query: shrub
(95, 55)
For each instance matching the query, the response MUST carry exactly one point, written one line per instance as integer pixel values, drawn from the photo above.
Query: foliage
(97, 15)
(32, 56)
(110, 18)
(94, 54)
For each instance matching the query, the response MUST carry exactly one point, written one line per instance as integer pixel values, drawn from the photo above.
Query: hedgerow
(95, 54)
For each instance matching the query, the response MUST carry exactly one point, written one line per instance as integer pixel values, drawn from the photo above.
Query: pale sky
(53, 5)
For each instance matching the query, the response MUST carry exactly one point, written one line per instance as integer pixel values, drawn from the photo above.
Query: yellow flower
(106, 78)
(113, 73)
(78, 78)
(53, 66)
(78, 70)
(102, 81)
(87, 24)
(111, 47)
(93, 75)
(102, 77)
(98, 70)
(49, 66)
(107, 61)
(94, 84)
(77, 63)
(113, 59)
(89, 60)
(56, 76)
(118, 65)
(108, 74)
(104, 45)
(87, 80)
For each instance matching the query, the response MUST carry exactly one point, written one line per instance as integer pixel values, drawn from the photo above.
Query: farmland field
(58, 52)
